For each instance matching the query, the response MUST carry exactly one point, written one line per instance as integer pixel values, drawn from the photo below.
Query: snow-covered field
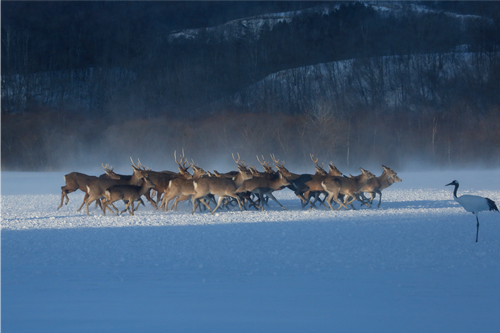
(410, 266)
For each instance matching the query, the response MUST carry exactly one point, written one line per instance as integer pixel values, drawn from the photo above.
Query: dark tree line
(353, 83)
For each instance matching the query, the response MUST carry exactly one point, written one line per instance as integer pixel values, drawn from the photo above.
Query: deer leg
(162, 205)
(158, 196)
(342, 204)
(148, 197)
(127, 207)
(329, 200)
(131, 203)
(105, 204)
(270, 195)
(380, 198)
(139, 202)
(84, 199)
(312, 195)
(113, 206)
(258, 203)
(202, 208)
(200, 198)
(180, 198)
(372, 197)
(324, 199)
(174, 206)
(63, 194)
(359, 196)
(347, 202)
(165, 201)
(251, 202)
(363, 198)
(87, 203)
(305, 196)
(237, 200)
(221, 198)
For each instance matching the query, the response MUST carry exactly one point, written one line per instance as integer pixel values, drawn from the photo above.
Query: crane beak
(452, 183)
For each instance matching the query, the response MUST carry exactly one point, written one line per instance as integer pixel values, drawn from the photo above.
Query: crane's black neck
(455, 190)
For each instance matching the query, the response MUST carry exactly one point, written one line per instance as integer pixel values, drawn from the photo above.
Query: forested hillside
(405, 84)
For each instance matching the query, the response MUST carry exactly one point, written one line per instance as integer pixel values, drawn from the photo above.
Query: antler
(254, 171)
(263, 162)
(316, 161)
(107, 167)
(267, 167)
(277, 162)
(239, 161)
(183, 162)
(140, 166)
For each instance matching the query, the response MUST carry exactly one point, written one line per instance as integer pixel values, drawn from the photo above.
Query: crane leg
(477, 230)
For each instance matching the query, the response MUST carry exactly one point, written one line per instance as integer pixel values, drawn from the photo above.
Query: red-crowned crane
(473, 204)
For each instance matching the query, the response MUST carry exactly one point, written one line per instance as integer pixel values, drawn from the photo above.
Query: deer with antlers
(220, 186)
(298, 182)
(349, 187)
(263, 186)
(96, 188)
(162, 179)
(181, 188)
(314, 188)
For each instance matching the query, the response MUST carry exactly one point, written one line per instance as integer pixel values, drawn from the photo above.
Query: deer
(128, 193)
(97, 187)
(163, 178)
(261, 186)
(79, 181)
(390, 181)
(314, 187)
(220, 186)
(384, 184)
(181, 189)
(298, 181)
(268, 173)
(373, 185)
(293, 178)
(349, 187)
(268, 169)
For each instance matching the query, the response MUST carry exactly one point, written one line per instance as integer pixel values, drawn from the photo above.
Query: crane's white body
(473, 204)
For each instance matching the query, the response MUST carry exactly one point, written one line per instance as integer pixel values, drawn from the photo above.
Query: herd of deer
(245, 186)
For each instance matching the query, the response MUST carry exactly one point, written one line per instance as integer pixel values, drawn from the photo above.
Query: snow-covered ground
(410, 266)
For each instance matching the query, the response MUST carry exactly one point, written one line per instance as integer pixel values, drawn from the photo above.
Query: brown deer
(128, 193)
(261, 186)
(181, 189)
(268, 169)
(314, 188)
(298, 182)
(79, 181)
(384, 184)
(349, 187)
(373, 185)
(220, 186)
(163, 178)
(97, 187)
